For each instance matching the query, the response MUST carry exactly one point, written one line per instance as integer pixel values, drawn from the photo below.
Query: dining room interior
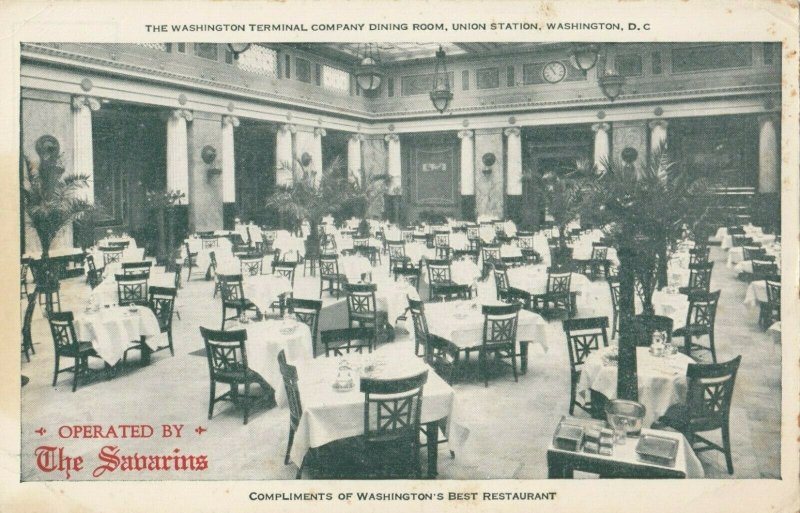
(456, 260)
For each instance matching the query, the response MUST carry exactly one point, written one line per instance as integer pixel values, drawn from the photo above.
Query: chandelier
(441, 95)
(238, 48)
(368, 71)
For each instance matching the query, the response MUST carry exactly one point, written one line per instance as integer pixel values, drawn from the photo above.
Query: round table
(264, 289)
(662, 380)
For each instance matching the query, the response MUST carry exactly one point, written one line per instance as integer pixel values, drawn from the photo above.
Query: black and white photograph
(285, 259)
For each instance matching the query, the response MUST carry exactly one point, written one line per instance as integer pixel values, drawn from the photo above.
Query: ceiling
(403, 52)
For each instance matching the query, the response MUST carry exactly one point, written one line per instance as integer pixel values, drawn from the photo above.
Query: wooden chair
(699, 278)
(48, 285)
(700, 322)
(709, 395)
(500, 272)
(699, 255)
(647, 325)
(392, 412)
(397, 256)
(93, 276)
(499, 337)
(329, 272)
(362, 309)
(307, 311)
(558, 295)
(598, 263)
(67, 345)
(439, 353)
(23, 277)
(584, 336)
(491, 256)
(770, 312)
(232, 292)
(343, 340)
(440, 283)
(111, 254)
(441, 241)
(131, 289)
(763, 269)
(226, 353)
(525, 241)
(251, 264)
(212, 269)
(753, 252)
(189, 261)
(290, 379)
(27, 338)
(161, 300)
(137, 267)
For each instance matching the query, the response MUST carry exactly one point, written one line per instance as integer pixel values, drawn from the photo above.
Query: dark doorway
(130, 152)
(554, 149)
(431, 171)
(334, 152)
(254, 150)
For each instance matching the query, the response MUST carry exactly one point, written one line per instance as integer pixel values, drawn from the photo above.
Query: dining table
(662, 379)
(668, 302)
(129, 254)
(461, 322)
(265, 339)
(106, 292)
(331, 414)
(114, 329)
(265, 289)
(736, 254)
(756, 294)
(533, 279)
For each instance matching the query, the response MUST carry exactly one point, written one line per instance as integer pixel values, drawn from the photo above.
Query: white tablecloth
(460, 323)
(329, 415)
(222, 252)
(111, 330)
(354, 266)
(533, 279)
(107, 241)
(129, 254)
(662, 380)
(675, 306)
(756, 294)
(290, 246)
(346, 243)
(736, 255)
(266, 339)
(763, 238)
(265, 288)
(417, 251)
(106, 292)
(775, 331)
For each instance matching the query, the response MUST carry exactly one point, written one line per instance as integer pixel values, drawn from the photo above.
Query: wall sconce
(488, 160)
(209, 155)
(305, 159)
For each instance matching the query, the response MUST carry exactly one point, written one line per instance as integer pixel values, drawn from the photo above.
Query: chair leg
(726, 445)
(514, 365)
(711, 345)
(55, 372)
(169, 338)
(211, 399)
(75, 371)
(572, 393)
(289, 445)
(246, 401)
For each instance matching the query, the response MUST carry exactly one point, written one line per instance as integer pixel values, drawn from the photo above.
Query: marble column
(467, 173)
(602, 148)
(83, 154)
(284, 155)
(769, 155)
(395, 172)
(354, 156)
(658, 135)
(178, 153)
(229, 123)
(316, 154)
(513, 174)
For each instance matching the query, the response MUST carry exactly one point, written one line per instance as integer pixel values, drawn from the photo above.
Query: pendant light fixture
(238, 48)
(441, 95)
(368, 71)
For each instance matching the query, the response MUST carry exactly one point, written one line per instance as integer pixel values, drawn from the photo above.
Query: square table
(330, 415)
(112, 330)
(461, 322)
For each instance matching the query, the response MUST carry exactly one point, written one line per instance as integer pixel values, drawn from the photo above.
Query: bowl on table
(625, 417)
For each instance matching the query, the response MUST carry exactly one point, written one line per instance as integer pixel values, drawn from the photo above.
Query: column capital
(79, 102)
(466, 134)
(658, 123)
(230, 120)
(288, 127)
(604, 127)
(391, 138)
(320, 132)
(513, 131)
(769, 117)
(182, 113)
(356, 137)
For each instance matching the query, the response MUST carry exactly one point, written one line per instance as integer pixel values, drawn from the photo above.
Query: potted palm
(52, 201)
(161, 202)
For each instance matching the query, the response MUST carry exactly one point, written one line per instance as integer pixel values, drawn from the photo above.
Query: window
(228, 56)
(206, 50)
(335, 79)
(303, 70)
(488, 78)
(532, 73)
(711, 57)
(181, 47)
(154, 46)
(287, 68)
(510, 76)
(770, 52)
(317, 74)
(258, 59)
(656, 63)
(465, 80)
(390, 86)
(629, 65)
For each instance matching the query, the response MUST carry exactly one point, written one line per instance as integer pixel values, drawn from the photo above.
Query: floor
(510, 423)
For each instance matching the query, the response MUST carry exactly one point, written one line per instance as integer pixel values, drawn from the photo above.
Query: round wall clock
(554, 72)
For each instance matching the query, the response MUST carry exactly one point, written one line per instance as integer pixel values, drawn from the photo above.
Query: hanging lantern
(584, 57)
(368, 71)
(441, 94)
(238, 48)
(611, 83)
